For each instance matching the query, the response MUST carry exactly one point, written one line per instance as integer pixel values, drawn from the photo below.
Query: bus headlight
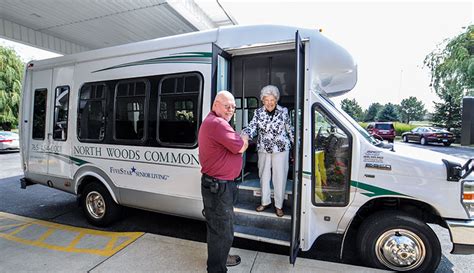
(468, 197)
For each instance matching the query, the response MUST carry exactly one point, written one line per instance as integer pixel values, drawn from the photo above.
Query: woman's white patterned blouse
(275, 133)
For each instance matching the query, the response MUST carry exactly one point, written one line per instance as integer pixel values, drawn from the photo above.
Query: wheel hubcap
(95, 204)
(400, 249)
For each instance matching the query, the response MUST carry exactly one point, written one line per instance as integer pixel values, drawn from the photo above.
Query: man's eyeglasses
(229, 106)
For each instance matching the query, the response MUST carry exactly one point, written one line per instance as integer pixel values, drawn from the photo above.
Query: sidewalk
(165, 254)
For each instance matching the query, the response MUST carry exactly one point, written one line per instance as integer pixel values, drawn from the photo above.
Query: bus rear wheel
(399, 242)
(98, 205)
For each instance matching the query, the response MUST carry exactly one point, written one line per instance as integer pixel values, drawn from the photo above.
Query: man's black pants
(219, 213)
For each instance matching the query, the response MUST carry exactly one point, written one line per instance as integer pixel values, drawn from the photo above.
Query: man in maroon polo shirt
(220, 155)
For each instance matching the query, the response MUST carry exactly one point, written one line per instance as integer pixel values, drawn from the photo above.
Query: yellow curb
(25, 222)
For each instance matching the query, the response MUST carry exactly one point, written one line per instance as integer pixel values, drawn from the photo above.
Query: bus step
(253, 197)
(263, 235)
(254, 184)
(265, 220)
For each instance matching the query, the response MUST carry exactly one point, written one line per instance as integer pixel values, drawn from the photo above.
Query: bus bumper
(462, 236)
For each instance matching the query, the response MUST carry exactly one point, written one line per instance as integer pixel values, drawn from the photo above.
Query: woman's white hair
(270, 90)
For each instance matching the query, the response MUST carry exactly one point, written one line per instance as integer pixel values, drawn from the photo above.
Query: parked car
(9, 141)
(425, 135)
(385, 130)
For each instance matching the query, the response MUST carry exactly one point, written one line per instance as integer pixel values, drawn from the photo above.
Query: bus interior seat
(124, 130)
(179, 131)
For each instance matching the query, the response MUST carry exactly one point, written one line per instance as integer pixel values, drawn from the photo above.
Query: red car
(383, 129)
(425, 135)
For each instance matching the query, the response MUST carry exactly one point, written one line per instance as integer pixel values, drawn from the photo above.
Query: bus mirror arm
(468, 167)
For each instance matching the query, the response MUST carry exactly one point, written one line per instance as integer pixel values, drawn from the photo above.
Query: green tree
(11, 74)
(352, 108)
(372, 111)
(388, 113)
(411, 109)
(452, 77)
(448, 113)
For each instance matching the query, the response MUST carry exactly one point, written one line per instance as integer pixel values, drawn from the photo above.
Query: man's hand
(245, 138)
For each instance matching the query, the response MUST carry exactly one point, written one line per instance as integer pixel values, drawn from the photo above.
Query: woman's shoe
(261, 208)
(279, 212)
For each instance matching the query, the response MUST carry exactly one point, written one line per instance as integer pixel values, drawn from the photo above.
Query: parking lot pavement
(11, 165)
(465, 152)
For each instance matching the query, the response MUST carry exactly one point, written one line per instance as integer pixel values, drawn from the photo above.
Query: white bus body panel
(38, 148)
(157, 178)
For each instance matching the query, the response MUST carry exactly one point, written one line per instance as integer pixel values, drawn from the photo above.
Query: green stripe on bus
(373, 190)
(75, 160)
(184, 57)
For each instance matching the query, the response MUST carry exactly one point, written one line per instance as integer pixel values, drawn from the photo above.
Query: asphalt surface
(48, 204)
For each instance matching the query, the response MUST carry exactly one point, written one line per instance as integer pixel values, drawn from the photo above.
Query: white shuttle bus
(118, 127)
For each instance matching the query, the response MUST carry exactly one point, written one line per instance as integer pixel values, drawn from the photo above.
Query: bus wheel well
(417, 209)
(84, 182)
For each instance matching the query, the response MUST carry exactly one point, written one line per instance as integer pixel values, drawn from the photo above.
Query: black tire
(384, 229)
(447, 144)
(423, 141)
(98, 205)
(405, 139)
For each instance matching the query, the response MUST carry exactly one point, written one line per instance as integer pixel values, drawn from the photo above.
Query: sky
(388, 40)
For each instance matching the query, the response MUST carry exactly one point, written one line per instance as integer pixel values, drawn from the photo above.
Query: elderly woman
(275, 136)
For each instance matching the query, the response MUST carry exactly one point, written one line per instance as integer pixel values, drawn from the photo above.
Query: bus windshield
(355, 124)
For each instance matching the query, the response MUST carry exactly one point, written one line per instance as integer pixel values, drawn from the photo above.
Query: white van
(118, 127)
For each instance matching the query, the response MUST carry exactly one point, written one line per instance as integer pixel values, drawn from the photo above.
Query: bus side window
(331, 161)
(179, 109)
(61, 111)
(39, 113)
(91, 112)
(130, 109)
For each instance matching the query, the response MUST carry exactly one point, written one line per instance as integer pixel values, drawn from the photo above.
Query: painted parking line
(43, 234)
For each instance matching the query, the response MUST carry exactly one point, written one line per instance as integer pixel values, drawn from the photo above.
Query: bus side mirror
(453, 170)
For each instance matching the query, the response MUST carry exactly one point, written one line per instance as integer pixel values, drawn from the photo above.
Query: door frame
(216, 52)
(297, 149)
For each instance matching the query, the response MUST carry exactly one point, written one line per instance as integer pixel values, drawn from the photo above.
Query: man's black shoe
(233, 260)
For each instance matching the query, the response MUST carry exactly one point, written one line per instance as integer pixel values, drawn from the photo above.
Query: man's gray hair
(270, 90)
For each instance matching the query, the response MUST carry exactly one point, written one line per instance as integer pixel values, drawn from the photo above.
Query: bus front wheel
(399, 242)
(98, 205)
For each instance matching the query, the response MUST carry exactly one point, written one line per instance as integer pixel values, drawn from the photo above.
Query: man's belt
(211, 179)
